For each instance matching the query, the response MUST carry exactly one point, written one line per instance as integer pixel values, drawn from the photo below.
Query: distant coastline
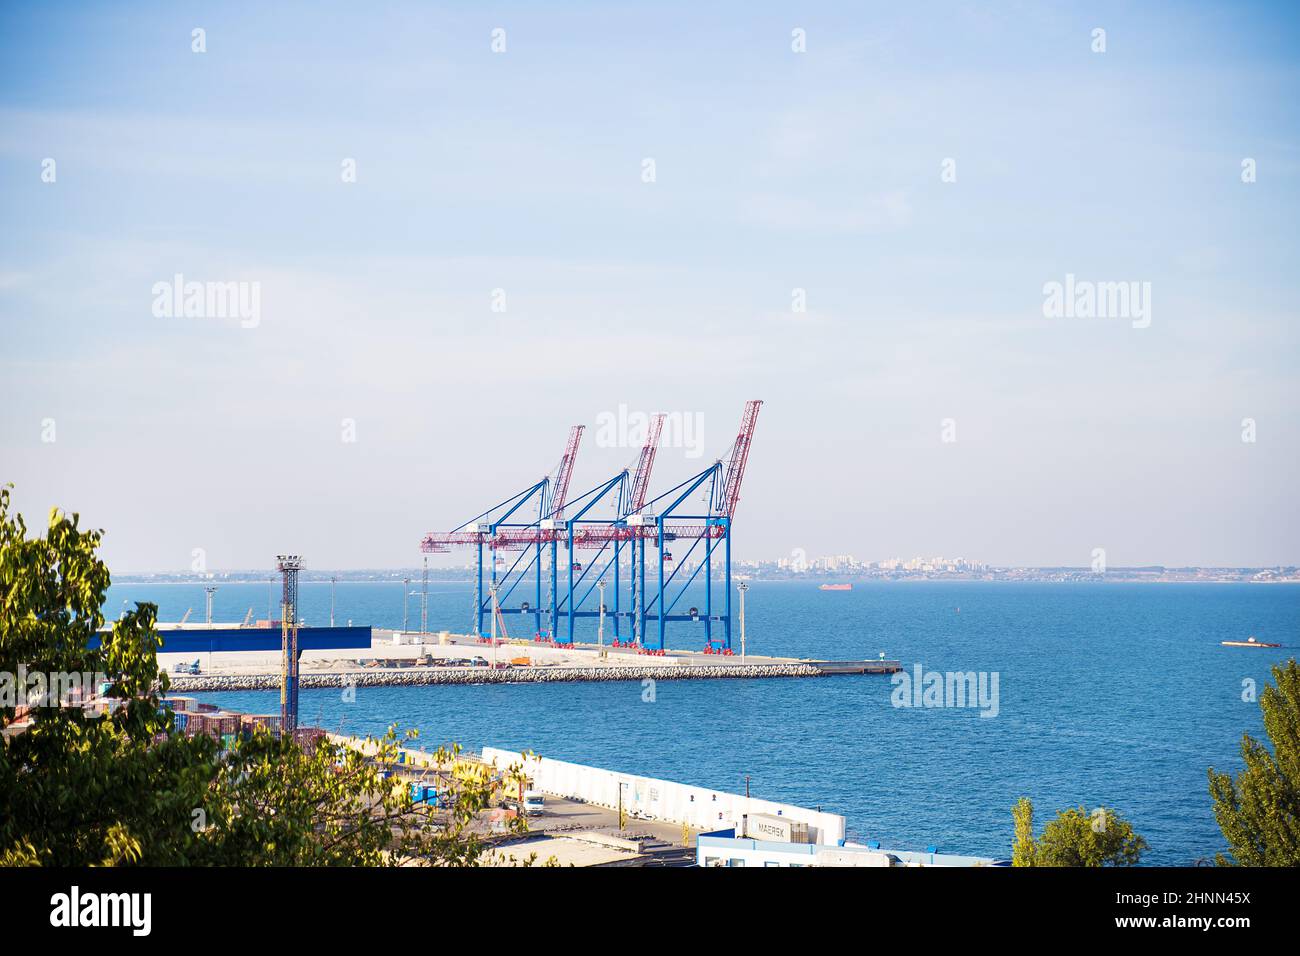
(1053, 575)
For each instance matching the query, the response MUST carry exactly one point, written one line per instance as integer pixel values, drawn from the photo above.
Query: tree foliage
(1022, 851)
(122, 787)
(1076, 837)
(1259, 810)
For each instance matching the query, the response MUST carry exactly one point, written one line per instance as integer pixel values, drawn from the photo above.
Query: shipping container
(764, 826)
(221, 723)
(307, 737)
(423, 793)
(250, 723)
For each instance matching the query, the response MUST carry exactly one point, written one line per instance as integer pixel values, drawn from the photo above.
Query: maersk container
(765, 826)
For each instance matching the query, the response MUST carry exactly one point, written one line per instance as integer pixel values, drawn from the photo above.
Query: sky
(461, 228)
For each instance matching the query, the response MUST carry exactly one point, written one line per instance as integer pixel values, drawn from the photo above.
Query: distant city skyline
(337, 276)
(825, 565)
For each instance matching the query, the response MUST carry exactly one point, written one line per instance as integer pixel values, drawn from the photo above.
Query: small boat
(1249, 642)
(836, 587)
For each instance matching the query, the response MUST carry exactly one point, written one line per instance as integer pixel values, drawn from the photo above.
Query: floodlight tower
(289, 565)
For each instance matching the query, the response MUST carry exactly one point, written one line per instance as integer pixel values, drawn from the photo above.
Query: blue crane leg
(727, 624)
(708, 593)
(662, 621)
(478, 605)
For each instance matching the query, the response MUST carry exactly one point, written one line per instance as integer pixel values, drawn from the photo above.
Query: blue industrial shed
(190, 640)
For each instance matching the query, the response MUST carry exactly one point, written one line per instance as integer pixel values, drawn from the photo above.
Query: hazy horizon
(309, 573)
(457, 255)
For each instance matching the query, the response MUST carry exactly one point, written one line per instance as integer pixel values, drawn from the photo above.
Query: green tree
(1259, 810)
(1075, 838)
(81, 789)
(1023, 850)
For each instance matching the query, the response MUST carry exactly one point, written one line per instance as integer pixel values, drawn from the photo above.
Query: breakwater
(412, 677)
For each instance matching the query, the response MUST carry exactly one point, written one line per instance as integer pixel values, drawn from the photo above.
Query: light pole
(493, 591)
(600, 630)
(211, 590)
(406, 604)
(742, 587)
(424, 600)
(332, 580)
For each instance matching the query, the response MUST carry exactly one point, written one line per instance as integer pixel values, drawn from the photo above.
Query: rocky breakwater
(422, 676)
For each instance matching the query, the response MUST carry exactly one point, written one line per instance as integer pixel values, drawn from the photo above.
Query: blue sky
(774, 171)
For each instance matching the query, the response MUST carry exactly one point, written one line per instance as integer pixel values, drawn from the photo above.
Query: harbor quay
(580, 815)
(202, 658)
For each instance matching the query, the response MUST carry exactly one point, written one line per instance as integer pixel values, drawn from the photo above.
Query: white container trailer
(774, 829)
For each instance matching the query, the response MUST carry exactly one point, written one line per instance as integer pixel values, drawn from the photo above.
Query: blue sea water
(1114, 695)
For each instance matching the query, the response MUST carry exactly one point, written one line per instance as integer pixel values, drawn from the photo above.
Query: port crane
(503, 528)
(699, 510)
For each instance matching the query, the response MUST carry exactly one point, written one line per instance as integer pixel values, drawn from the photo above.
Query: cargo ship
(836, 587)
(1249, 642)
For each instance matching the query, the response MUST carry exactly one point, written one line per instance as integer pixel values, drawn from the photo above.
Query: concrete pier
(428, 676)
(397, 659)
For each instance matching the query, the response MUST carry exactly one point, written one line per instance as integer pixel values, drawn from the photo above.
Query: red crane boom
(739, 456)
(641, 480)
(562, 475)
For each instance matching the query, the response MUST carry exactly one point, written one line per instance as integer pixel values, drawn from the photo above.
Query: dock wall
(412, 677)
(664, 800)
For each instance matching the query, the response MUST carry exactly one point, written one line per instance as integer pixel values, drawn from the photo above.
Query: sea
(1109, 695)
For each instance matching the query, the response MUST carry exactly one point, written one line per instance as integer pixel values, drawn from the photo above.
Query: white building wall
(665, 800)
